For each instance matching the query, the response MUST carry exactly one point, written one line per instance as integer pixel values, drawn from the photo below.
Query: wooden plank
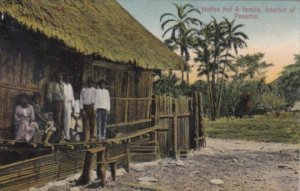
(119, 67)
(127, 95)
(19, 88)
(113, 159)
(129, 123)
(132, 135)
(172, 115)
(133, 98)
(96, 149)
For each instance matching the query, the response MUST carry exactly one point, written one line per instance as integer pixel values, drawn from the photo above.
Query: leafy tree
(169, 84)
(251, 67)
(272, 101)
(288, 84)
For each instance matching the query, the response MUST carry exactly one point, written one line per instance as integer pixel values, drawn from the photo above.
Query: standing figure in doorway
(87, 101)
(56, 96)
(69, 107)
(102, 107)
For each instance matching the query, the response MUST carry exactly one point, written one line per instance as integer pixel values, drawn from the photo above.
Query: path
(237, 166)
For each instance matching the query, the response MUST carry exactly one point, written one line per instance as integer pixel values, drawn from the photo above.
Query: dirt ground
(230, 165)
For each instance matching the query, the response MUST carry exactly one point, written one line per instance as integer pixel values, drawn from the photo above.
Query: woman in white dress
(24, 119)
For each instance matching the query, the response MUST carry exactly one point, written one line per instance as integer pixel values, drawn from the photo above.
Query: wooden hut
(96, 38)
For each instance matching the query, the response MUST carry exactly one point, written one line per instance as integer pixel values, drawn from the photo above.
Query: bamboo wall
(27, 63)
(130, 91)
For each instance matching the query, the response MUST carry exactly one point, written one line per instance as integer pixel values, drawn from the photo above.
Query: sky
(273, 27)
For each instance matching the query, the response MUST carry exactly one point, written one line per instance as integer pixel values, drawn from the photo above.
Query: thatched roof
(100, 27)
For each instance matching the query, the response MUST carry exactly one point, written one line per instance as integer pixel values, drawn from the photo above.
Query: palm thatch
(94, 27)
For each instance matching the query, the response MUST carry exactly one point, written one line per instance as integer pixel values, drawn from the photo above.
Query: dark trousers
(89, 122)
(58, 116)
(101, 124)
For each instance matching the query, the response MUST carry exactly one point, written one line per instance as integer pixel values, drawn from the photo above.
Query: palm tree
(181, 31)
(218, 47)
(233, 39)
(205, 58)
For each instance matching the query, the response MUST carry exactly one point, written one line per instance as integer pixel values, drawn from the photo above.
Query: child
(76, 125)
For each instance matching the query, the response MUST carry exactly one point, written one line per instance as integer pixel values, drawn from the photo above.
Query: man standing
(69, 107)
(56, 96)
(87, 100)
(102, 107)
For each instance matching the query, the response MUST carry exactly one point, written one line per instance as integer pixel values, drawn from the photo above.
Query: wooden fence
(181, 122)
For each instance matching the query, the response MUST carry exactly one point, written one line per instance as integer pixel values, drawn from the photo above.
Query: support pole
(85, 176)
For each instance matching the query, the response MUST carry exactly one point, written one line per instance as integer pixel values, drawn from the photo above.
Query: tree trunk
(182, 70)
(187, 78)
(209, 94)
(213, 101)
(219, 102)
(182, 77)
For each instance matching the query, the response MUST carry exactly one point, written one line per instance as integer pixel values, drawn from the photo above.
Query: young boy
(102, 108)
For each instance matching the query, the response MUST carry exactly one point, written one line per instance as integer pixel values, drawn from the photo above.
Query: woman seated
(44, 120)
(24, 119)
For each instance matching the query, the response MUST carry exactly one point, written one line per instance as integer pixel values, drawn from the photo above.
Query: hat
(36, 95)
(58, 73)
(102, 81)
(90, 80)
(22, 95)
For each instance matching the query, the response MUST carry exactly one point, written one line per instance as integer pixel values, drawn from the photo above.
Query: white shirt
(102, 99)
(69, 94)
(77, 106)
(87, 96)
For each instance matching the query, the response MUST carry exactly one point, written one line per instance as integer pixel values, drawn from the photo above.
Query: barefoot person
(24, 119)
(56, 96)
(87, 101)
(102, 108)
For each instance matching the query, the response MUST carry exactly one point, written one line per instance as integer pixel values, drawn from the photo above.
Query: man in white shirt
(69, 107)
(86, 102)
(102, 108)
(56, 96)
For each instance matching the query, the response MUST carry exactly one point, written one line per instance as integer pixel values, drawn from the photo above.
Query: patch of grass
(268, 128)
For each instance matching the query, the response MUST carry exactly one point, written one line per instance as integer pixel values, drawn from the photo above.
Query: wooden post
(113, 167)
(175, 131)
(196, 108)
(85, 176)
(127, 168)
(101, 168)
(127, 95)
(201, 121)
